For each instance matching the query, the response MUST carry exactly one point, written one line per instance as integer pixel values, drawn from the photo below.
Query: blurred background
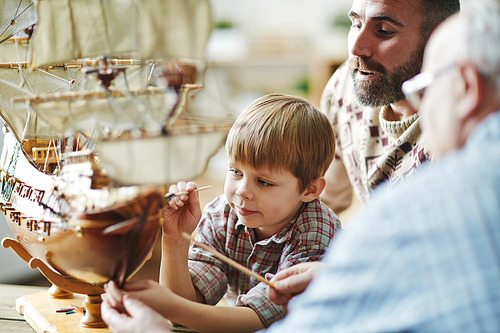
(260, 46)
(257, 47)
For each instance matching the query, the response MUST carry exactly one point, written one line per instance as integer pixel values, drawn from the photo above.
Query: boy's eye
(264, 183)
(235, 172)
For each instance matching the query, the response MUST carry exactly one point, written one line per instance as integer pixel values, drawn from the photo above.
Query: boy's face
(263, 198)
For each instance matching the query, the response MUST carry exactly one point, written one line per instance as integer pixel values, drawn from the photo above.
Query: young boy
(269, 218)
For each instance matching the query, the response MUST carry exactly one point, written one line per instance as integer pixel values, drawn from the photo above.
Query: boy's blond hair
(283, 132)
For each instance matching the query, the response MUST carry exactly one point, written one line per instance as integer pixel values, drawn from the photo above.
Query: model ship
(94, 97)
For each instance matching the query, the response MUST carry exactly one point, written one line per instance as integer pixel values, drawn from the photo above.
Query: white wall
(308, 17)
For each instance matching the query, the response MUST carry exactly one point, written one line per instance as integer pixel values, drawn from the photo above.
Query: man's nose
(360, 42)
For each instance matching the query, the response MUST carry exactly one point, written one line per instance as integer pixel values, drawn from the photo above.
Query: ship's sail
(138, 106)
(17, 81)
(43, 90)
(187, 23)
(130, 105)
(15, 16)
(75, 29)
(159, 31)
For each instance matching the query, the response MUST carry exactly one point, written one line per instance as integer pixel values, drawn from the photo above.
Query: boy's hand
(291, 281)
(134, 317)
(183, 212)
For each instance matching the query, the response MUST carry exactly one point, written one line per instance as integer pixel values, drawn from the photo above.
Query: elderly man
(377, 132)
(438, 271)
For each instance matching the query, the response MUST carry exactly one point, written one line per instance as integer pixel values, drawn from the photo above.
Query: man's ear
(470, 93)
(314, 189)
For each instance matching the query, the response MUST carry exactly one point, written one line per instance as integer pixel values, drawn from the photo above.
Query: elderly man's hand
(291, 281)
(138, 317)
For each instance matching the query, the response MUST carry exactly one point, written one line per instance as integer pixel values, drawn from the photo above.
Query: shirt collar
(487, 130)
(394, 128)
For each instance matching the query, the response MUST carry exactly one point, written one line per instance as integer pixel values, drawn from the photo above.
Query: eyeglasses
(414, 88)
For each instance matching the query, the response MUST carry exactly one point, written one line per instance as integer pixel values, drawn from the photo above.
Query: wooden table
(30, 309)
(10, 319)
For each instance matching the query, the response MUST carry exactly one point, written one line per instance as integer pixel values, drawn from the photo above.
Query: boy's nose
(243, 191)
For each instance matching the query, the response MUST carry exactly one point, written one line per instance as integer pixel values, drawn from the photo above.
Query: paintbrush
(229, 261)
(169, 196)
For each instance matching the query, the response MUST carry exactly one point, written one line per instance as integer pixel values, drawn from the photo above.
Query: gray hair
(477, 37)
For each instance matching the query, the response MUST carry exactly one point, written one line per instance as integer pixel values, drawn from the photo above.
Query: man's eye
(386, 32)
(355, 26)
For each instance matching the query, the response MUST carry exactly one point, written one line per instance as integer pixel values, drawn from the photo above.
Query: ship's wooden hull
(82, 250)
(93, 244)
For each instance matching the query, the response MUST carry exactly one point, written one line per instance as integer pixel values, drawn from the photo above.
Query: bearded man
(377, 133)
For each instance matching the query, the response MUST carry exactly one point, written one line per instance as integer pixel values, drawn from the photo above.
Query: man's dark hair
(435, 12)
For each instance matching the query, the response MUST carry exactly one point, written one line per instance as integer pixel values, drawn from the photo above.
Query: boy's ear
(314, 189)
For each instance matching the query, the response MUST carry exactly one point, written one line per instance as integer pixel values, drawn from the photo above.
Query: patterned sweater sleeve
(338, 192)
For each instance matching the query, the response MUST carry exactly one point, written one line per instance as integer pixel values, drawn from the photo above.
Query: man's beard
(387, 88)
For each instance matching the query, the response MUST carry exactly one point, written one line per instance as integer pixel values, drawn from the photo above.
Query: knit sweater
(370, 149)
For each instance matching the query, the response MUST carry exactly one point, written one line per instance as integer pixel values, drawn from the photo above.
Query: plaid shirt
(304, 239)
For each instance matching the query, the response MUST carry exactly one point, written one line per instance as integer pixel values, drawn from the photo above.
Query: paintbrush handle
(229, 261)
(170, 195)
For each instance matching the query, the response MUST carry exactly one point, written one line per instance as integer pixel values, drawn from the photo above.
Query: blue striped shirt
(421, 257)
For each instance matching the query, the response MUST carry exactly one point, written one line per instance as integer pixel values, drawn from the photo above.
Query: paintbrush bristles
(229, 261)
